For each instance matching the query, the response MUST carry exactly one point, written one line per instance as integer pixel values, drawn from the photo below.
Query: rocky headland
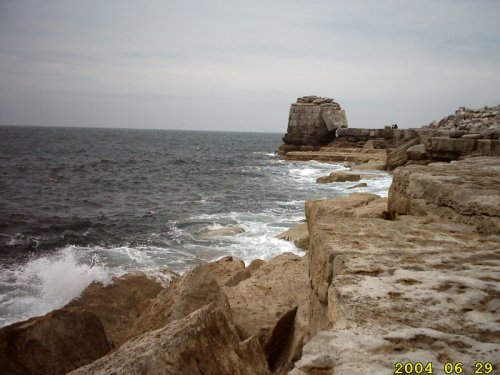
(467, 133)
(414, 277)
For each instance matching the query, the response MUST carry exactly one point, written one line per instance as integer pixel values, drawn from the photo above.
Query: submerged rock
(363, 184)
(226, 231)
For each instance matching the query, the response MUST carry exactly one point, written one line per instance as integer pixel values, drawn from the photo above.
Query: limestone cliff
(313, 121)
(421, 288)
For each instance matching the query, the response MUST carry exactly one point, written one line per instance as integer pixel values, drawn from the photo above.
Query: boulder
(195, 289)
(119, 304)
(55, 343)
(203, 342)
(297, 234)
(338, 177)
(272, 305)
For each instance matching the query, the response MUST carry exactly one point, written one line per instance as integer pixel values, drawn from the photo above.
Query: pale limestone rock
(416, 152)
(297, 234)
(272, 305)
(118, 304)
(193, 290)
(420, 288)
(224, 269)
(55, 343)
(313, 121)
(203, 342)
(465, 191)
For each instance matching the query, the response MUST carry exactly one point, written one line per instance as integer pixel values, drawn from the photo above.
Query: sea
(79, 205)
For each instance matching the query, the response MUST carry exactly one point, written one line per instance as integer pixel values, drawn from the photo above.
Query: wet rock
(203, 342)
(363, 184)
(55, 343)
(338, 177)
(297, 234)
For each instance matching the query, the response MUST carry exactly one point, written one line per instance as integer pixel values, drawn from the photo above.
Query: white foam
(47, 283)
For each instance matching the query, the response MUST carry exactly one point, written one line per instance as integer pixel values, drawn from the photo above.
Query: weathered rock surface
(313, 121)
(203, 342)
(272, 305)
(397, 157)
(192, 291)
(298, 234)
(465, 191)
(417, 289)
(55, 343)
(229, 271)
(483, 121)
(119, 304)
(338, 177)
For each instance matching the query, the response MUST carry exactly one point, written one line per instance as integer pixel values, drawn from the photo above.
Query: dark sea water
(82, 205)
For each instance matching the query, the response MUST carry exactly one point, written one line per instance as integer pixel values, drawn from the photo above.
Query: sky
(237, 65)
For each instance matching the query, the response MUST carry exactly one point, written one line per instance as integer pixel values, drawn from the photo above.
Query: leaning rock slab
(119, 304)
(192, 291)
(201, 343)
(272, 305)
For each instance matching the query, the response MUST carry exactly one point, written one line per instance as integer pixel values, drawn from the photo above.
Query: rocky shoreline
(414, 277)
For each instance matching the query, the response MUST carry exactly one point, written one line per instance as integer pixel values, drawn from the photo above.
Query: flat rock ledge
(422, 288)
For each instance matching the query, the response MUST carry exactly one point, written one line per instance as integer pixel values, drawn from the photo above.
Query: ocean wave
(46, 283)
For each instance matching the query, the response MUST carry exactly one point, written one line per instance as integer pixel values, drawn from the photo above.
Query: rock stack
(312, 123)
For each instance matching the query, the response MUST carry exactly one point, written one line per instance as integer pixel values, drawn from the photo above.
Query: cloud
(237, 65)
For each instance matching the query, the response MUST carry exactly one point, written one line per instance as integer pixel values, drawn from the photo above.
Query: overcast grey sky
(237, 65)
